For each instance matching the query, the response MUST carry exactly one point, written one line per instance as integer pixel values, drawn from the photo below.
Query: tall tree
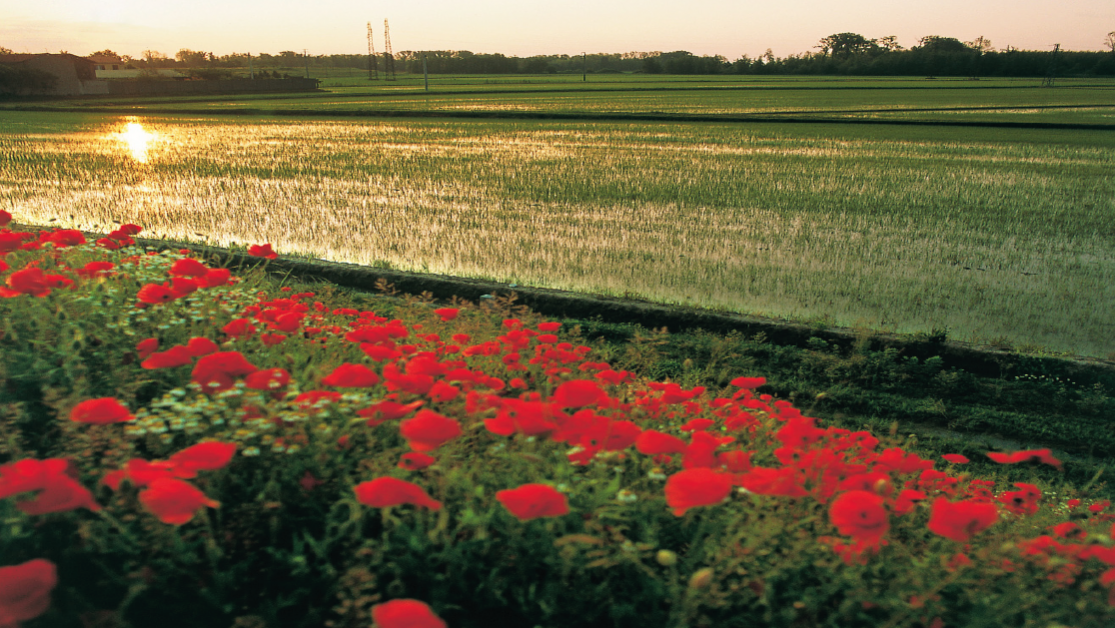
(888, 43)
(846, 45)
(1109, 41)
(105, 53)
(936, 43)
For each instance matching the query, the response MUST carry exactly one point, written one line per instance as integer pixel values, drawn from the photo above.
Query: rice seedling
(987, 233)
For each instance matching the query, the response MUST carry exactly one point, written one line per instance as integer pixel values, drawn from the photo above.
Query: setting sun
(138, 140)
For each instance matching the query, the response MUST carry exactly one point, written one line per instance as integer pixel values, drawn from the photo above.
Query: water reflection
(138, 140)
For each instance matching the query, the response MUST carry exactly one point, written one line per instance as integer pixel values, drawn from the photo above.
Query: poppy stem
(124, 533)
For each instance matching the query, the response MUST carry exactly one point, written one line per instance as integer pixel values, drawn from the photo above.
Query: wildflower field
(189, 445)
(993, 235)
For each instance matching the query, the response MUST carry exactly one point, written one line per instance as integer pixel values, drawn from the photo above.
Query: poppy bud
(666, 558)
(883, 487)
(701, 578)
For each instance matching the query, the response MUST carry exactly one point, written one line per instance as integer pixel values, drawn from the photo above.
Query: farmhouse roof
(22, 57)
(16, 58)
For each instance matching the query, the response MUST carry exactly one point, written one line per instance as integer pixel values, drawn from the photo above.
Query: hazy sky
(523, 28)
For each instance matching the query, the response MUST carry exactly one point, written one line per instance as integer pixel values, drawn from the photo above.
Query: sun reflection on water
(138, 140)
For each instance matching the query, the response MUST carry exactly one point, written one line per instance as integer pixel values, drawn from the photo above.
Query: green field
(1075, 102)
(1001, 235)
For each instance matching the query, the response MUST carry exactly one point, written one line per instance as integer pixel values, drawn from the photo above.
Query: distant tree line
(837, 54)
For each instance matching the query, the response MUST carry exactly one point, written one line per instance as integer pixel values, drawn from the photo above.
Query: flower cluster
(405, 380)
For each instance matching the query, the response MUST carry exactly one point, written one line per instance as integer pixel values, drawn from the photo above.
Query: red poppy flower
(405, 613)
(100, 412)
(218, 371)
(749, 382)
(550, 326)
(216, 277)
(173, 357)
(183, 286)
(5, 218)
(350, 375)
(207, 456)
(578, 393)
(239, 328)
(130, 229)
(153, 294)
(737, 461)
(415, 461)
(530, 418)
(25, 590)
(200, 346)
(785, 482)
(262, 250)
(859, 514)
(95, 269)
(54, 478)
(30, 281)
(387, 410)
(701, 450)
(428, 430)
(174, 501)
(1021, 502)
(270, 340)
(387, 492)
(379, 353)
(697, 425)
(441, 392)
(189, 267)
(955, 458)
(447, 313)
(146, 347)
(696, 487)
(1068, 530)
(66, 237)
(142, 472)
(532, 501)
(959, 521)
(269, 380)
(1030, 455)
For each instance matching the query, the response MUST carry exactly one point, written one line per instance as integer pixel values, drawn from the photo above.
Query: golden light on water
(138, 140)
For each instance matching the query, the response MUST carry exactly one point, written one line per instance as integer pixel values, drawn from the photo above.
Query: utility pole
(425, 74)
(373, 72)
(251, 72)
(584, 67)
(306, 60)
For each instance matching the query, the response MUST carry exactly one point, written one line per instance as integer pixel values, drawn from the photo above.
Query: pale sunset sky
(524, 28)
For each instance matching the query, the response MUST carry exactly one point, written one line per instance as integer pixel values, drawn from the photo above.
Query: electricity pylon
(388, 58)
(373, 72)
